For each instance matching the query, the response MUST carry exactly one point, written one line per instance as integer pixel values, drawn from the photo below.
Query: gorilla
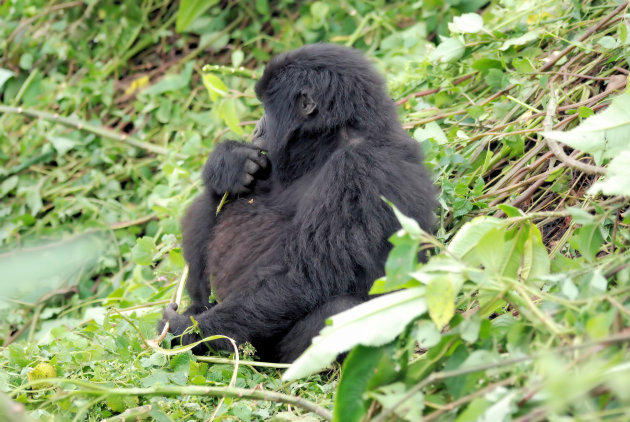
(305, 230)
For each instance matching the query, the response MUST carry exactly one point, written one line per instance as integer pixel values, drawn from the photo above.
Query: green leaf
(26, 61)
(523, 65)
(237, 58)
(189, 10)
(440, 298)
(598, 326)
(5, 75)
(522, 40)
(62, 144)
(372, 323)
(8, 185)
(603, 135)
(470, 23)
(319, 10)
(215, 86)
(608, 42)
(364, 368)
(390, 397)
(401, 260)
(617, 176)
(172, 82)
(588, 240)
(469, 329)
(449, 50)
(585, 112)
(511, 211)
(484, 64)
(497, 79)
(467, 238)
(262, 7)
(431, 130)
(580, 216)
(427, 335)
(144, 251)
(227, 112)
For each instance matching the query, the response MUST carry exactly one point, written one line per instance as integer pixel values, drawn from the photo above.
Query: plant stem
(174, 390)
(83, 125)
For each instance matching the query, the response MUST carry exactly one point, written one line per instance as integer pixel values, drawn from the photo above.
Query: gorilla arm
(232, 167)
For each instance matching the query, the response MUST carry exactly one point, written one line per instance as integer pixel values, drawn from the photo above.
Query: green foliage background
(109, 109)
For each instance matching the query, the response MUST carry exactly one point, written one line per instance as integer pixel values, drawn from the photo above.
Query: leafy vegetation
(109, 109)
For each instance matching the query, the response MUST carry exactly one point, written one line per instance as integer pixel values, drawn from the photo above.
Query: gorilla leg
(293, 344)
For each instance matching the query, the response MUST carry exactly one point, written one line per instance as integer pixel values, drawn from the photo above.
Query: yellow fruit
(43, 370)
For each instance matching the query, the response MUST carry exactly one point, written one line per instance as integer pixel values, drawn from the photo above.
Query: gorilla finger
(251, 167)
(259, 158)
(170, 311)
(247, 179)
(241, 190)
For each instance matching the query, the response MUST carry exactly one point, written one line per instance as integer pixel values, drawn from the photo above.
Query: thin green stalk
(90, 389)
(88, 127)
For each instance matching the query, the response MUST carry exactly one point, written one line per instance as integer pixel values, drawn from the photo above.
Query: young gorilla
(304, 233)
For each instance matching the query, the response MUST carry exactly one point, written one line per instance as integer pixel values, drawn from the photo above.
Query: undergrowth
(109, 109)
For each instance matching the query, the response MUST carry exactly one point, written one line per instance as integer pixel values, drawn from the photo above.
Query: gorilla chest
(246, 246)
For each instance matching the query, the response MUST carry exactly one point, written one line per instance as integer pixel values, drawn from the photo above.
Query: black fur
(305, 232)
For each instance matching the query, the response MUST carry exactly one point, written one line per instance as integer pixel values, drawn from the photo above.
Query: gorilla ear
(306, 103)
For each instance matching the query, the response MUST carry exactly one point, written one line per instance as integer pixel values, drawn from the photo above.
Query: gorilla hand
(233, 167)
(177, 322)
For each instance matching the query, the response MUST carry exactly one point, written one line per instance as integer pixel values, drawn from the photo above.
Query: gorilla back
(304, 233)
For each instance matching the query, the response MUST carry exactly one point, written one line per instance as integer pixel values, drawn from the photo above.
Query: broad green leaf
(440, 297)
(62, 144)
(541, 263)
(604, 135)
(227, 112)
(580, 216)
(372, 323)
(172, 82)
(408, 224)
(215, 86)
(390, 397)
(449, 50)
(427, 335)
(485, 64)
(466, 238)
(364, 368)
(522, 40)
(401, 260)
(469, 329)
(189, 10)
(319, 10)
(598, 326)
(588, 240)
(617, 176)
(431, 130)
(470, 23)
(5, 75)
(237, 58)
(144, 250)
(27, 275)
(511, 211)
(523, 65)
(262, 7)
(8, 185)
(473, 411)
